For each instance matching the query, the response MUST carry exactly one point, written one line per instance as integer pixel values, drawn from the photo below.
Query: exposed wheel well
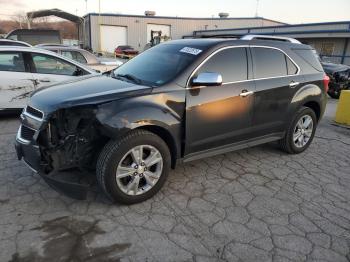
(315, 107)
(168, 139)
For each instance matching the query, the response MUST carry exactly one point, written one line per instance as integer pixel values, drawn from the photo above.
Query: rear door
(47, 69)
(16, 81)
(277, 79)
(220, 115)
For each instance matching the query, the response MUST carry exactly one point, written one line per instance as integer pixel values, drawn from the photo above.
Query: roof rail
(270, 37)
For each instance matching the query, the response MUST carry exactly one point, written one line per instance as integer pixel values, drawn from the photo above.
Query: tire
(118, 154)
(287, 144)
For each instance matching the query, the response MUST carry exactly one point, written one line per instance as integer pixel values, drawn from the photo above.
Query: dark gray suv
(179, 101)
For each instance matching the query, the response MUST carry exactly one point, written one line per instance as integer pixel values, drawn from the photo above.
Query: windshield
(157, 65)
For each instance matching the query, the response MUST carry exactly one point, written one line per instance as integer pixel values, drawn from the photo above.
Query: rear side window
(231, 63)
(309, 57)
(74, 55)
(291, 67)
(12, 61)
(269, 62)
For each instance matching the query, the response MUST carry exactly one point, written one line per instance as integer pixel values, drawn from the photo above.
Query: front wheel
(301, 131)
(133, 168)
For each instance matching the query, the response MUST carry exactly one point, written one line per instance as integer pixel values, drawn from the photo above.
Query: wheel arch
(167, 137)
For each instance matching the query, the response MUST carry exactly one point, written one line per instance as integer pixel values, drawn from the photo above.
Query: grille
(34, 112)
(27, 133)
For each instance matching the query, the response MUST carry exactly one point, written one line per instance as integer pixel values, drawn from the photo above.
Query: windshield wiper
(130, 78)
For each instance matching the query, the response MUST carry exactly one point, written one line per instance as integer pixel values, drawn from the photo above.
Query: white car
(25, 69)
(84, 57)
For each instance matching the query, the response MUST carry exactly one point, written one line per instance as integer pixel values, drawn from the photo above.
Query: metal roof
(55, 12)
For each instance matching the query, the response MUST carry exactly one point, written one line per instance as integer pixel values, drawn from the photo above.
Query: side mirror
(207, 79)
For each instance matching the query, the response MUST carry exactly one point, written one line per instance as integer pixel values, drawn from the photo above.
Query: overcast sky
(289, 11)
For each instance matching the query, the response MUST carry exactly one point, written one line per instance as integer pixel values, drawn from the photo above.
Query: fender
(306, 94)
(165, 111)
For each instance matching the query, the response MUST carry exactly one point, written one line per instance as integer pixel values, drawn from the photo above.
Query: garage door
(112, 36)
(164, 28)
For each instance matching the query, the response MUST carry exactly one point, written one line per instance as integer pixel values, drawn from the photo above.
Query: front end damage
(68, 139)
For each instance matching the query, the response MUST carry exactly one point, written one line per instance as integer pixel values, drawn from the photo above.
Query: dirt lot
(252, 205)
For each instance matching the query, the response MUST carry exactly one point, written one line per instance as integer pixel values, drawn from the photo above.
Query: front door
(220, 115)
(16, 81)
(48, 70)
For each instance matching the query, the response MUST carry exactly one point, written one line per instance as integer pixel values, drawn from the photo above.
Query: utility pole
(86, 7)
(257, 8)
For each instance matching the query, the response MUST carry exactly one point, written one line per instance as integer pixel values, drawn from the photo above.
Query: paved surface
(252, 205)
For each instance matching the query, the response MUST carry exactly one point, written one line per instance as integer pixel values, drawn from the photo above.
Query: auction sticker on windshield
(190, 50)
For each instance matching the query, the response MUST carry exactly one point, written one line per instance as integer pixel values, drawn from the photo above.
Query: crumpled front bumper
(30, 153)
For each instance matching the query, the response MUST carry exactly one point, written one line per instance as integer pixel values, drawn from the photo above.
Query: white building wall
(137, 26)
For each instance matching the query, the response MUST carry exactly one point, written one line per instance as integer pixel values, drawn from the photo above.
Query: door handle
(293, 84)
(246, 93)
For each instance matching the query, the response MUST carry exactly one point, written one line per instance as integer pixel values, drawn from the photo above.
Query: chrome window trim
(245, 80)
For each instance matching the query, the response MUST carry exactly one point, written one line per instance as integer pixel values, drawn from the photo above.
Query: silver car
(84, 57)
(25, 69)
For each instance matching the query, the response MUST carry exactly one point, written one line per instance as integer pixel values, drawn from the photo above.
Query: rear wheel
(134, 168)
(300, 132)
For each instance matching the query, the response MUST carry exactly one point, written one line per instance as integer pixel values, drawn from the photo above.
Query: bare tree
(22, 20)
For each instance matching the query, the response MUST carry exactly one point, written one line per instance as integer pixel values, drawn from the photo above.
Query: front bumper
(30, 153)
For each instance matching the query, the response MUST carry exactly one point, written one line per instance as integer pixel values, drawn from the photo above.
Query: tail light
(326, 80)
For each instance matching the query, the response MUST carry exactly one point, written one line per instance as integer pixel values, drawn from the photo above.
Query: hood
(331, 68)
(110, 61)
(84, 91)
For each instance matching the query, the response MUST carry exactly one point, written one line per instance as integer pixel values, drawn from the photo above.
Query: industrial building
(331, 40)
(104, 32)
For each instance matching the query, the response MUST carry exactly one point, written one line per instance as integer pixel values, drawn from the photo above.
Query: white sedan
(25, 69)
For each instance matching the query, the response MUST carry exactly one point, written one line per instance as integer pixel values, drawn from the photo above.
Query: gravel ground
(258, 204)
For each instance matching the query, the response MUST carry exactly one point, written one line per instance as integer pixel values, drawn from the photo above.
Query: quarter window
(269, 62)
(45, 64)
(12, 61)
(231, 63)
(74, 55)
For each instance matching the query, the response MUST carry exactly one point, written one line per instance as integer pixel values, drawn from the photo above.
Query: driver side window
(45, 64)
(231, 63)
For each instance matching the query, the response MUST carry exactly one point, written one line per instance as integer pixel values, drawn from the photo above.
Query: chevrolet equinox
(179, 101)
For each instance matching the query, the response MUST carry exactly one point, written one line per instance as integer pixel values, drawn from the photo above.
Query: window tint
(11, 61)
(231, 63)
(310, 57)
(78, 57)
(268, 62)
(291, 67)
(74, 55)
(45, 64)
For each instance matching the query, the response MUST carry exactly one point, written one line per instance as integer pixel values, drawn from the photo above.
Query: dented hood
(83, 91)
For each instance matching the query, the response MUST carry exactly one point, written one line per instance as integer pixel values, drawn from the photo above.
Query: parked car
(178, 101)
(9, 42)
(339, 78)
(84, 57)
(125, 51)
(25, 69)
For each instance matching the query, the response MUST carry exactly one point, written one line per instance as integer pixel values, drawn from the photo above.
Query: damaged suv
(179, 101)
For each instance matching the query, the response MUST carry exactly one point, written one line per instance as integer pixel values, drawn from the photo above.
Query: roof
(298, 29)
(184, 18)
(55, 12)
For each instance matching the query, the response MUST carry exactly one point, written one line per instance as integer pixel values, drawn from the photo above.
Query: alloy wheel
(139, 170)
(303, 131)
